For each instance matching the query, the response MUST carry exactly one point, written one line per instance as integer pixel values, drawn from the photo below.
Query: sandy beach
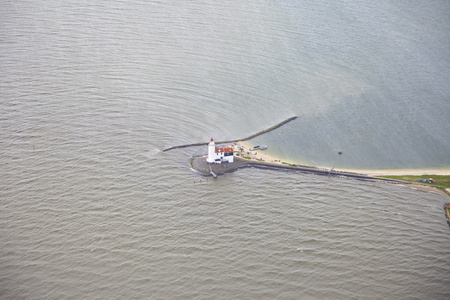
(263, 156)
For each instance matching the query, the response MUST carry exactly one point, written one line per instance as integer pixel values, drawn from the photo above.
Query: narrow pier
(212, 172)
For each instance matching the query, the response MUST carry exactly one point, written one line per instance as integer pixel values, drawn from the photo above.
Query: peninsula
(218, 162)
(244, 157)
(237, 155)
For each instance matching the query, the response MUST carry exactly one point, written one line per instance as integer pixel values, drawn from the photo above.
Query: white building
(219, 155)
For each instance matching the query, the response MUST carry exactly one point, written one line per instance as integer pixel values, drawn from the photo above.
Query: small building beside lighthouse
(219, 155)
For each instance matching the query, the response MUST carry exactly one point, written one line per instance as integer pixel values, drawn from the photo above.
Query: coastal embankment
(204, 168)
(200, 165)
(237, 140)
(246, 157)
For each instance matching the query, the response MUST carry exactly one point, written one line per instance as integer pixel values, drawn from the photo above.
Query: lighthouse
(211, 152)
(219, 155)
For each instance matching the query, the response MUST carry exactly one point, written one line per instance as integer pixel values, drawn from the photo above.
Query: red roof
(226, 150)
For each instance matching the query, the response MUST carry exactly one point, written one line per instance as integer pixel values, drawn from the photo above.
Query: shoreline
(246, 157)
(262, 156)
(200, 165)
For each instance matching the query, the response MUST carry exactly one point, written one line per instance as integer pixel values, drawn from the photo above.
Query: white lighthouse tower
(219, 155)
(211, 152)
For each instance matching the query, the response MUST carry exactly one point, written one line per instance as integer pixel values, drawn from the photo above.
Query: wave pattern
(92, 208)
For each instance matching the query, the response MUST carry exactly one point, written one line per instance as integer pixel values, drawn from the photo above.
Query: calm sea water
(92, 92)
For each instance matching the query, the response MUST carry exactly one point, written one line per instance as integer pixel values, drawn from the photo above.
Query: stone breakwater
(234, 141)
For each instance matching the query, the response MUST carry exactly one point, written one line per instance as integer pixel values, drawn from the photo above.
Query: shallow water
(91, 94)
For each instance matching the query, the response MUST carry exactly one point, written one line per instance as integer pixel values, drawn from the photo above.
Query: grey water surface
(91, 92)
